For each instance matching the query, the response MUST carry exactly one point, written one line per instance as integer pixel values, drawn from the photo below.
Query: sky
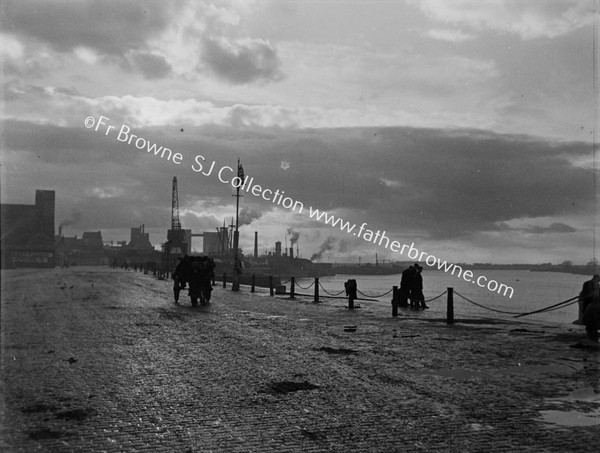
(466, 128)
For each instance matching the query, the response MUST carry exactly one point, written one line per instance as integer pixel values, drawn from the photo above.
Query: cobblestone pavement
(95, 359)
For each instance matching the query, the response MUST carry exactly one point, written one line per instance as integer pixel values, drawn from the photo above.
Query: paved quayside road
(95, 359)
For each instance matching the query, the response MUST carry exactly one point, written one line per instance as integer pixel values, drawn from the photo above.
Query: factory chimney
(291, 252)
(256, 245)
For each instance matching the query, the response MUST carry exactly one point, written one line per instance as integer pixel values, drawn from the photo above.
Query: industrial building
(138, 252)
(87, 251)
(27, 238)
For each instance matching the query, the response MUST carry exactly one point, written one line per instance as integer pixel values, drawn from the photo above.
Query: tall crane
(176, 245)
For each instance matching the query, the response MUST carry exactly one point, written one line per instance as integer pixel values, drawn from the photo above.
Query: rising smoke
(325, 246)
(294, 235)
(73, 219)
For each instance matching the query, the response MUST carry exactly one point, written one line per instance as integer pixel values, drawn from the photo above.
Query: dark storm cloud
(150, 66)
(66, 145)
(248, 215)
(110, 26)
(445, 184)
(438, 184)
(242, 62)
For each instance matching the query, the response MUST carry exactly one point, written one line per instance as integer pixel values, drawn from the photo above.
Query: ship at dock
(285, 265)
(278, 263)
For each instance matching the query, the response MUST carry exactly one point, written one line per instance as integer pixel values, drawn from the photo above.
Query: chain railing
(307, 287)
(352, 295)
(375, 297)
(564, 303)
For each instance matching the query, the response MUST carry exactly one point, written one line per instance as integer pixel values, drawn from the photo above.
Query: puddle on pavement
(571, 418)
(563, 418)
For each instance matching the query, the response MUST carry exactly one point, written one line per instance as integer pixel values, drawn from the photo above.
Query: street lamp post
(236, 234)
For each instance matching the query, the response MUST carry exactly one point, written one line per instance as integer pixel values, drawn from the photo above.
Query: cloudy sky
(466, 127)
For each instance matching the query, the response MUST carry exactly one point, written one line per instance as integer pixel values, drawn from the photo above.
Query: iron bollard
(253, 283)
(316, 289)
(292, 287)
(224, 279)
(450, 307)
(395, 301)
(271, 285)
(351, 289)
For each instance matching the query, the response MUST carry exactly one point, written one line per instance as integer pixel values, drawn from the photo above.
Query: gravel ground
(96, 359)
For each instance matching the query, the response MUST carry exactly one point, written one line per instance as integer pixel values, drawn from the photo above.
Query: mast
(236, 234)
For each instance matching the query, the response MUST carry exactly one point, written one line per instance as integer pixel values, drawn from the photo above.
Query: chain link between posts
(331, 294)
(374, 297)
(564, 303)
(302, 287)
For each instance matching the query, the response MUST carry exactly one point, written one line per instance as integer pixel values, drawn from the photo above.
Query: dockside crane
(176, 245)
(175, 223)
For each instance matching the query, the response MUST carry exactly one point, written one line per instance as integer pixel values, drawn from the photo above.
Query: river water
(532, 291)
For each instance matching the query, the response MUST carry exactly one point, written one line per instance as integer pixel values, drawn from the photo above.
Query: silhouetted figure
(406, 284)
(589, 306)
(197, 272)
(589, 292)
(417, 296)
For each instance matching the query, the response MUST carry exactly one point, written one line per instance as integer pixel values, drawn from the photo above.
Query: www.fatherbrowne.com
(378, 237)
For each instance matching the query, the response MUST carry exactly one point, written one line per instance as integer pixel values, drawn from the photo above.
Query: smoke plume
(294, 235)
(73, 219)
(325, 246)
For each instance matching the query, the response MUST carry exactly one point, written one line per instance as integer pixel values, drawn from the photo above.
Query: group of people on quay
(589, 307)
(198, 272)
(411, 288)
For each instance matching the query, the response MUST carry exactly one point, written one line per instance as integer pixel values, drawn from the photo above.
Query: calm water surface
(532, 291)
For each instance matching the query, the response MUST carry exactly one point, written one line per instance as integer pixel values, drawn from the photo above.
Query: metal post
(316, 289)
(224, 279)
(236, 234)
(395, 301)
(271, 285)
(253, 283)
(292, 287)
(450, 307)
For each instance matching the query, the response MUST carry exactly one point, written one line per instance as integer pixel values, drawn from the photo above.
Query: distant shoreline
(546, 267)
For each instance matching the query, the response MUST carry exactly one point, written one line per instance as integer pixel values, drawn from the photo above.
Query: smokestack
(278, 248)
(256, 245)
(291, 252)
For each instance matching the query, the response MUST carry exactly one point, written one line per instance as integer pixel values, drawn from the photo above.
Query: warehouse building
(27, 237)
